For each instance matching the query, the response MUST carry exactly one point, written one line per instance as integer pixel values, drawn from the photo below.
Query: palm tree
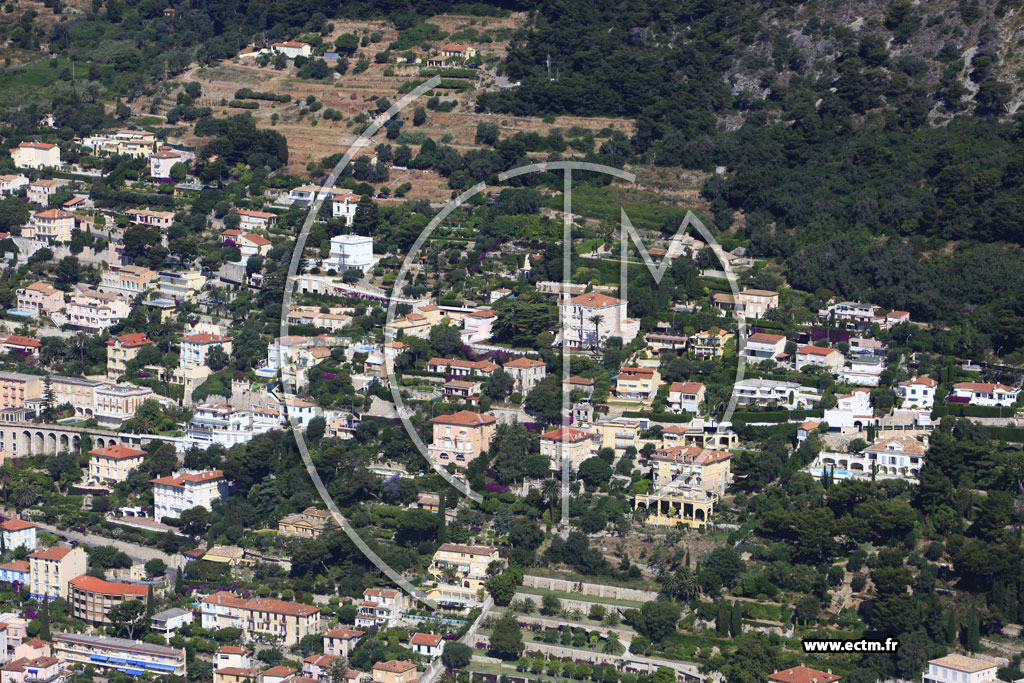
(596, 321)
(23, 496)
(611, 645)
(550, 490)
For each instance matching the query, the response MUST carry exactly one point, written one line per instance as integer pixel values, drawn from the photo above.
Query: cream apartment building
(461, 437)
(112, 464)
(52, 568)
(591, 318)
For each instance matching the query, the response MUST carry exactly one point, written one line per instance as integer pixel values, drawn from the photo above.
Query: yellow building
(51, 569)
(461, 437)
(637, 384)
(35, 155)
(309, 523)
(112, 464)
(395, 671)
(122, 349)
(413, 325)
(460, 571)
(696, 434)
(575, 444)
(710, 343)
(618, 434)
(690, 467)
(673, 509)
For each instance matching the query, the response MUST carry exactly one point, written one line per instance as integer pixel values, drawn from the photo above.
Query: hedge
(242, 104)
(967, 410)
(1006, 433)
(777, 415)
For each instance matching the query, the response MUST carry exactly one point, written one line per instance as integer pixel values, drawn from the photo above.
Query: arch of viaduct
(24, 439)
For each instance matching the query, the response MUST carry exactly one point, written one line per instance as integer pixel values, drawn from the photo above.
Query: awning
(133, 672)
(98, 658)
(160, 667)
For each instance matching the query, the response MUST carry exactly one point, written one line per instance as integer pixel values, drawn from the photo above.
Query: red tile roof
(16, 525)
(765, 338)
(686, 387)
(815, 350)
(428, 639)
(18, 340)
(55, 553)
(524, 362)
(179, 480)
(93, 585)
(568, 434)
(131, 340)
(802, 674)
(205, 338)
(595, 300)
(465, 418)
(396, 666)
(117, 452)
(466, 549)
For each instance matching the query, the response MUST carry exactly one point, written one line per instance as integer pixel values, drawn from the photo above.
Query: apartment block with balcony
(310, 523)
(18, 533)
(380, 607)
(128, 280)
(51, 569)
(460, 572)
(591, 318)
(762, 346)
(286, 622)
(40, 298)
(94, 311)
(17, 387)
(127, 656)
(52, 225)
(686, 396)
(92, 598)
(637, 384)
(180, 286)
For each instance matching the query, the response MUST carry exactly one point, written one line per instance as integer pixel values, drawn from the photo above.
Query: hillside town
(388, 415)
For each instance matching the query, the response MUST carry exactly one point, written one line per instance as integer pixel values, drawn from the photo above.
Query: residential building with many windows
(112, 464)
(40, 298)
(686, 396)
(460, 572)
(51, 570)
(959, 669)
(461, 437)
(380, 607)
(18, 533)
(185, 490)
(984, 394)
(122, 349)
(115, 403)
(287, 622)
(310, 523)
(340, 641)
(574, 445)
(591, 318)
(92, 598)
(127, 656)
(128, 280)
(917, 393)
(526, 373)
(35, 155)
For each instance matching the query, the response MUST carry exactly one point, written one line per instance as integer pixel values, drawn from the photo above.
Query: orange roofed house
(122, 349)
(92, 599)
(591, 318)
(112, 464)
(380, 607)
(526, 373)
(340, 641)
(186, 490)
(576, 444)
(287, 622)
(461, 437)
(395, 671)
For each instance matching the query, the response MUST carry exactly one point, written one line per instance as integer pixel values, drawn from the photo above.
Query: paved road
(136, 552)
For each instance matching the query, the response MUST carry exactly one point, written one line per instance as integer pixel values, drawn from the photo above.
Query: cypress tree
(736, 626)
(973, 632)
(442, 531)
(44, 621)
(179, 582)
(951, 627)
(150, 603)
(722, 620)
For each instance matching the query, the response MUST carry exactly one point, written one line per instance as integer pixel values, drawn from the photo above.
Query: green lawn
(646, 210)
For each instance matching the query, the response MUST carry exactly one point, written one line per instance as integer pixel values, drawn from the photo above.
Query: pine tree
(442, 530)
(722, 620)
(736, 626)
(44, 621)
(49, 397)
